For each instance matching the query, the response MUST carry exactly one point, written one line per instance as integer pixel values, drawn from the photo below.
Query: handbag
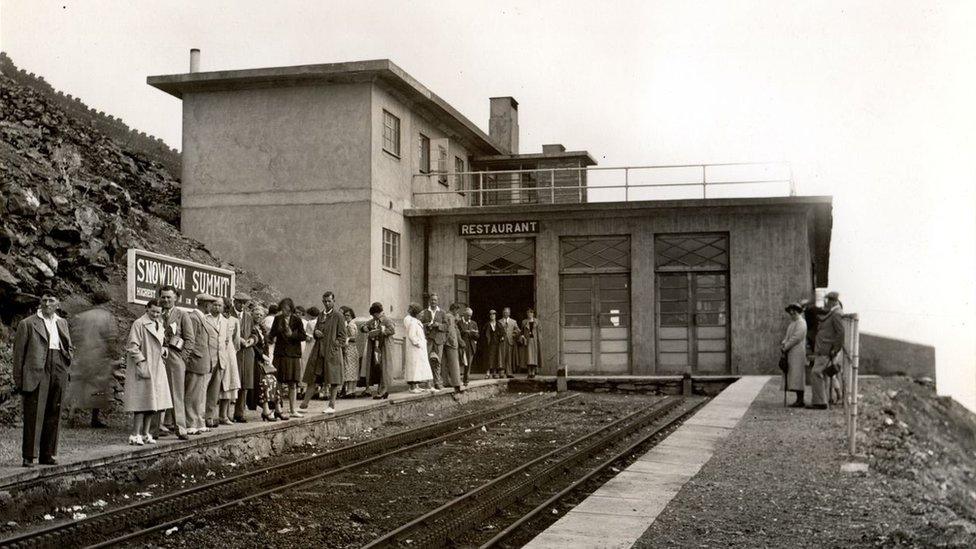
(832, 369)
(784, 362)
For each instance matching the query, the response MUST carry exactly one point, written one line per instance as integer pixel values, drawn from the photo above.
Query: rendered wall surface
(889, 356)
(769, 267)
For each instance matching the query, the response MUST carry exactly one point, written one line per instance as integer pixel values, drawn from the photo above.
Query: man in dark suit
(179, 339)
(435, 328)
(245, 355)
(509, 332)
(42, 356)
(469, 337)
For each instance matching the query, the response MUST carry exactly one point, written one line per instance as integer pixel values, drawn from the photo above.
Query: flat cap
(203, 298)
(833, 295)
(241, 296)
(794, 307)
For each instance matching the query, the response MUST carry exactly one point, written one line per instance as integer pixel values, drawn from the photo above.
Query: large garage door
(595, 304)
(692, 304)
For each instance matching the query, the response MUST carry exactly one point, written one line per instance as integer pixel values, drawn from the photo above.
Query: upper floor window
(391, 134)
(391, 250)
(424, 154)
(458, 168)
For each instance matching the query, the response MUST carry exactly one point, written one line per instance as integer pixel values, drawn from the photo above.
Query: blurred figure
(795, 349)
(179, 340)
(245, 353)
(416, 361)
(533, 345)
(377, 361)
(469, 343)
(146, 385)
(42, 356)
(287, 335)
(451, 364)
(351, 357)
(230, 382)
(96, 354)
(325, 366)
(829, 343)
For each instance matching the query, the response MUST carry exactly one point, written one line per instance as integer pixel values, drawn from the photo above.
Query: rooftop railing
(602, 184)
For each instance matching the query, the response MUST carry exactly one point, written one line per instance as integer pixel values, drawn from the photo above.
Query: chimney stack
(503, 124)
(194, 60)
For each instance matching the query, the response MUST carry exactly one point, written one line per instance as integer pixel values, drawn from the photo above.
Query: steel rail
(193, 497)
(485, 500)
(536, 511)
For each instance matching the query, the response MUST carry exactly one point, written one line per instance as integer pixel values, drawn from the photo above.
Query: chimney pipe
(194, 60)
(503, 125)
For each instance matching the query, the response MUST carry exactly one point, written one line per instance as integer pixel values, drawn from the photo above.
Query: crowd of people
(192, 370)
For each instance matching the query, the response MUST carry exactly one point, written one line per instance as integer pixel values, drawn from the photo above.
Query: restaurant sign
(147, 272)
(498, 229)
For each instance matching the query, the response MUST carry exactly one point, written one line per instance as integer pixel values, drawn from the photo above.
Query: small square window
(424, 154)
(391, 250)
(391, 134)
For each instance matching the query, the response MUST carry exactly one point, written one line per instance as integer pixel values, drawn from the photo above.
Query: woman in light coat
(795, 349)
(416, 363)
(230, 382)
(533, 345)
(146, 384)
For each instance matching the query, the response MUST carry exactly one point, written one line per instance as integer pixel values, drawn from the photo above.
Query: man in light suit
(506, 347)
(200, 366)
(42, 356)
(179, 338)
(469, 337)
(225, 349)
(435, 328)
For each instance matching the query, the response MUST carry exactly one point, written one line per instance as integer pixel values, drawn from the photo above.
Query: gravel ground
(776, 481)
(351, 509)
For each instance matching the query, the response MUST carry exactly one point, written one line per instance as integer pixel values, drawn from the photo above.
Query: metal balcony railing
(602, 184)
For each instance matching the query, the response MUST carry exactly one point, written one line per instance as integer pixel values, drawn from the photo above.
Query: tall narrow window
(442, 164)
(424, 154)
(391, 250)
(458, 168)
(391, 134)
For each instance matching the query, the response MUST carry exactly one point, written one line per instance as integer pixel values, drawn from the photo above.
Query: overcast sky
(872, 102)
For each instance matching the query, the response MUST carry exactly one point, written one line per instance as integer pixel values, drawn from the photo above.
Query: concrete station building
(355, 177)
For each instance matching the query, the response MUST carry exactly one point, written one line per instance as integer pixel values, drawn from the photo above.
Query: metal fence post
(855, 357)
(552, 186)
(579, 184)
(704, 182)
(626, 184)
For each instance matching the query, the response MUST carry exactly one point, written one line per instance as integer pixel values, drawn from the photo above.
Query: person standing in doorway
(326, 364)
(245, 355)
(827, 348)
(508, 332)
(201, 365)
(533, 345)
(287, 335)
(469, 343)
(435, 329)
(147, 390)
(95, 334)
(795, 348)
(492, 339)
(179, 342)
(376, 366)
(42, 356)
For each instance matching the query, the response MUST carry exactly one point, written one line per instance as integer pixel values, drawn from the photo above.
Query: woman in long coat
(794, 346)
(451, 366)
(146, 384)
(376, 365)
(230, 383)
(532, 355)
(287, 334)
(491, 337)
(350, 370)
(416, 363)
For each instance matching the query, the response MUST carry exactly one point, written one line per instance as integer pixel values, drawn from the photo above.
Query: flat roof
(822, 207)
(583, 156)
(375, 70)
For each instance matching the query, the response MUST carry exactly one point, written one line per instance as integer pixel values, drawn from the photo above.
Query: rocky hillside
(72, 202)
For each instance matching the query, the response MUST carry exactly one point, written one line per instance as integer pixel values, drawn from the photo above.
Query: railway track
(134, 521)
(446, 524)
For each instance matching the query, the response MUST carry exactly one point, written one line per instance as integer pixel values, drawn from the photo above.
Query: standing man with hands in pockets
(435, 328)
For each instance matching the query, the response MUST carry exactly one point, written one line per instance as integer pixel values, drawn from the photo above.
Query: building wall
(769, 267)
(277, 180)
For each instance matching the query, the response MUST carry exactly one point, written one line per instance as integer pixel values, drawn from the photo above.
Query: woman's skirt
(267, 390)
(351, 369)
(289, 369)
(451, 369)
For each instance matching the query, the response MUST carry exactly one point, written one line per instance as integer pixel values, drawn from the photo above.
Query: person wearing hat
(827, 347)
(492, 337)
(179, 340)
(795, 349)
(245, 354)
(201, 364)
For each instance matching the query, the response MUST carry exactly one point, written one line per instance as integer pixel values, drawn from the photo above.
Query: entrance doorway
(496, 292)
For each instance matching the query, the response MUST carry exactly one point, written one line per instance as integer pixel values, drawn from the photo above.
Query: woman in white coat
(795, 348)
(230, 382)
(416, 364)
(146, 384)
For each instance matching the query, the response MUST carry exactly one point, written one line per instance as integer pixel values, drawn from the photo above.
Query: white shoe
(415, 390)
(298, 413)
(193, 431)
(136, 440)
(433, 390)
(149, 439)
(329, 410)
(204, 429)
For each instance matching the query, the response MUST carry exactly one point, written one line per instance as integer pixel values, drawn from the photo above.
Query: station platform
(82, 449)
(620, 511)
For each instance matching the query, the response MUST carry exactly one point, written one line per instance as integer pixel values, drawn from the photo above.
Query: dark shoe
(268, 418)
(239, 419)
(510, 376)
(282, 416)
(28, 462)
(163, 434)
(48, 461)
(99, 425)
(797, 404)
(817, 406)
(183, 437)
